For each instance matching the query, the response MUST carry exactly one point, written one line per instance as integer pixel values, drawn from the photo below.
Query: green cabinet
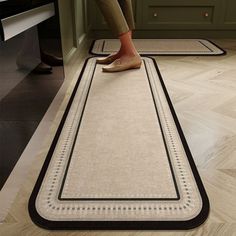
(230, 12)
(216, 18)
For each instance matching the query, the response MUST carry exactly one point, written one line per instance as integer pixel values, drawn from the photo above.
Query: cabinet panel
(180, 15)
(230, 12)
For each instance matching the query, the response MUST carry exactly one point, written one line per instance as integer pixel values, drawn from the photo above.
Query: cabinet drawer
(180, 14)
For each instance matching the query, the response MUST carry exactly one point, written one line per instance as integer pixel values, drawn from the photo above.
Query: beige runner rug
(159, 47)
(119, 159)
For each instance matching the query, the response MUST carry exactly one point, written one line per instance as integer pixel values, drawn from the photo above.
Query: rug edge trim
(118, 225)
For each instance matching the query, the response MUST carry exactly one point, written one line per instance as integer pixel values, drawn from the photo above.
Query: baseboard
(69, 55)
(96, 34)
(81, 39)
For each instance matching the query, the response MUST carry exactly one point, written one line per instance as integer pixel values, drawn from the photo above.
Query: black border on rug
(160, 54)
(118, 225)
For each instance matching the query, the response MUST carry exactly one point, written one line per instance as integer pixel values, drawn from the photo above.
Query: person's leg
(29, 56)
(127, 9)
(114, 16)
(116, 20)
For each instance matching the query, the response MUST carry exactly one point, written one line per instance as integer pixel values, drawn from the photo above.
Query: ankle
(131, 51)
(131, 34)
(131, 54)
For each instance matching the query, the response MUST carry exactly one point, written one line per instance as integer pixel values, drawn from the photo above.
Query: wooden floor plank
(203, 92)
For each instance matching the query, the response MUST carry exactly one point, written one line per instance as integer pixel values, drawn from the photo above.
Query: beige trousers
(118, 15)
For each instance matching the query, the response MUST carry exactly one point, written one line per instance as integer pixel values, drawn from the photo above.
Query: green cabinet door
(154, 18)
(230, 12)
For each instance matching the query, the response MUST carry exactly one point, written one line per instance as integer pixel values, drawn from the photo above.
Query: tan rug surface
(119, 158)
(160, 47)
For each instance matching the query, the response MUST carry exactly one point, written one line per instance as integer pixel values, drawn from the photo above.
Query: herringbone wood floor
(203, 91)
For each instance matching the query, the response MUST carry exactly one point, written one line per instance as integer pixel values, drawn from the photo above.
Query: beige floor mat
(119, 159)
(172, 47)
